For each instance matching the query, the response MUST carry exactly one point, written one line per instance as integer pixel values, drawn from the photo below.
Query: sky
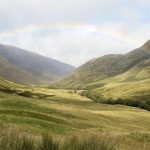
(75, 31)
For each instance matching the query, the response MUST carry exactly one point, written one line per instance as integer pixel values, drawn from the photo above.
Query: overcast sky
(74, 31)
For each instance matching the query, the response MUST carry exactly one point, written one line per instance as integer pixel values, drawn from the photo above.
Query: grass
(66, 113)
(69, 111)
(60, 115)
(12, 138)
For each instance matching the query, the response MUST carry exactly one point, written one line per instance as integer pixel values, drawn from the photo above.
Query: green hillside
(130, 88)
(104, 67)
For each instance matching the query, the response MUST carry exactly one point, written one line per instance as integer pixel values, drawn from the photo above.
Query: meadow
(61, 114)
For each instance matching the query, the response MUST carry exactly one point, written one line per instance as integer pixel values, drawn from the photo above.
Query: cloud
(75, 31)
(15, 13)
(71, 44)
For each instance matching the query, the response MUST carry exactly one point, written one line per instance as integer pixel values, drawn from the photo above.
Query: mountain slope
(130, 88)
(104, 67)
(13, 73)
(133, 84)
(35, 69)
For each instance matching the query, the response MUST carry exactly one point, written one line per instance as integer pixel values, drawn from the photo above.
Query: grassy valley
(81, 115)
(74, 75)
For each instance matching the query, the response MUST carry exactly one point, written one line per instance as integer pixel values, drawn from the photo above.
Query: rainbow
(83, 29)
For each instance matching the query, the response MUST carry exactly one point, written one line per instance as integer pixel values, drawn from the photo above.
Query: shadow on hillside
(24, 93)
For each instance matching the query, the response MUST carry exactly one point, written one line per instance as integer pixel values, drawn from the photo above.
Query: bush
(143, 102)
(8, 90)
(26, 94)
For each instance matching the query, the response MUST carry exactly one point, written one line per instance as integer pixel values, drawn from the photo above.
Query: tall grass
(13, 139)
(48, 143)
(89, 142)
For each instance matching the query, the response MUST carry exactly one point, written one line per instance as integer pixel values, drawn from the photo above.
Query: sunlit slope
(131, 84)
(130, 88)
(65, 111)
(105, 67)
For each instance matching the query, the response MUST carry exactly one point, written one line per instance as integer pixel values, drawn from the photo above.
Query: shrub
(8, 90)
(142, 102)
(26, 94)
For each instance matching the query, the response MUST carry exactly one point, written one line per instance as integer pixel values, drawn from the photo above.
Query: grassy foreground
(14, 139)
(30, 116)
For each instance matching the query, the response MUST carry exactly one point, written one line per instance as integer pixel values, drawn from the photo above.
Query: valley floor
(64, 112)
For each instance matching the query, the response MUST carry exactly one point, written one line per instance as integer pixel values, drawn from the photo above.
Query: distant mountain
(26, 67)
(104, 67)
(11, 72)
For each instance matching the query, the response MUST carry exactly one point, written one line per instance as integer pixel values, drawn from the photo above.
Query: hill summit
(147, 45)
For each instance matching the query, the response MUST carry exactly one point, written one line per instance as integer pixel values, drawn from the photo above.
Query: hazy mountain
(13, 73)
(104, 67)
(30, 68)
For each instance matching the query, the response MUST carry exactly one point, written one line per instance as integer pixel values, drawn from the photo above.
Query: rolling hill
(26, 67)
(130, 88)
(104, 67)
(114, 79)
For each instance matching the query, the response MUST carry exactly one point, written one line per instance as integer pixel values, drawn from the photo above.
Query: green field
(64, 112)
